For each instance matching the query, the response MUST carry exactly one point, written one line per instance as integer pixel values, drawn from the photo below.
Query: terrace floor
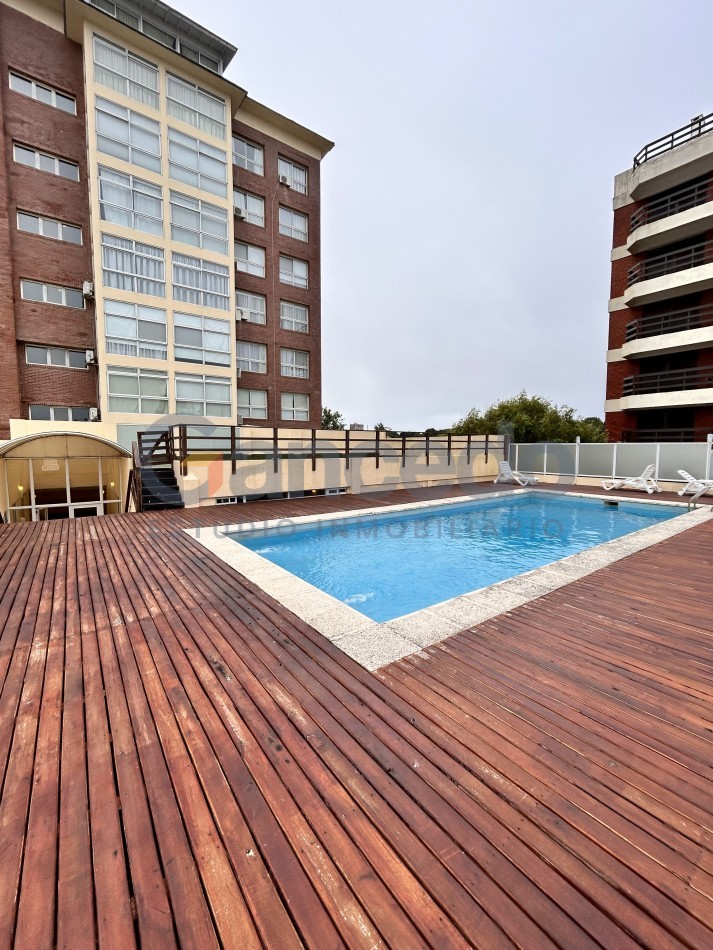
(184, 762)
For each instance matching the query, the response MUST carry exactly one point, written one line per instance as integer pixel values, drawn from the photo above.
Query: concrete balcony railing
(692, 130)
(674, 331)
(681, 199)
(670, 274)
(677, 380)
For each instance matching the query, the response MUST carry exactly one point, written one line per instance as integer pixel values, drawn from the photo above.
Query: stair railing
(133, 489)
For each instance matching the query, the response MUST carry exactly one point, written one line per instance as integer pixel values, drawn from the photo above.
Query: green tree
(531, 419)
(380, 427)
(331, 419)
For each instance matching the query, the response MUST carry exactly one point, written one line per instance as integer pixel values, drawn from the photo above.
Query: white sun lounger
(644, 482)
(694, 485)
(506, 474)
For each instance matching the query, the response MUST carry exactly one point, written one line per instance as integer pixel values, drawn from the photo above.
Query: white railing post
(613, 461)
(544, 461)
(577, 442)
(517, 457)
(658, 457)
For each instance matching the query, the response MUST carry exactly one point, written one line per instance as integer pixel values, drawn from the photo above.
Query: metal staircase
(152, 484)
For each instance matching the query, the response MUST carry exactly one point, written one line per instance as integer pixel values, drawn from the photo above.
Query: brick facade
(41, 53)
(275, 195)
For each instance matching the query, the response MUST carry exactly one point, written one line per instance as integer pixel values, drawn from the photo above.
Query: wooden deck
(184, 762)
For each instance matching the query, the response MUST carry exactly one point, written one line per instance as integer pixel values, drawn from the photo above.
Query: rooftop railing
(696, 127)
(675, 380)
(669, 262)
(672, 321)
(687, 196)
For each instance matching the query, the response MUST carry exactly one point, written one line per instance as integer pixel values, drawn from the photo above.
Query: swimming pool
(387, 565)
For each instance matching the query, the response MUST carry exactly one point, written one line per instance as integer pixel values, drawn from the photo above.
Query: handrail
(690, 195)
(696, 377)
(134, 487)
(688, 318)
(669, 262)
(696, 127)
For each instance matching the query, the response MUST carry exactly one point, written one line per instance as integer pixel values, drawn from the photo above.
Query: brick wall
(42, 53)
(274, 195)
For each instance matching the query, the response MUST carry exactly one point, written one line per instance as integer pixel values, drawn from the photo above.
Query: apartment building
(159, 228)
(660, 356)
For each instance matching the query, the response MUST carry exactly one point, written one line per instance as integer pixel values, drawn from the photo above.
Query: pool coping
(374, 644)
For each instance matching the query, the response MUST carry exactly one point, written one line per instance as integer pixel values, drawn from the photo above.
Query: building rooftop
(186, 762)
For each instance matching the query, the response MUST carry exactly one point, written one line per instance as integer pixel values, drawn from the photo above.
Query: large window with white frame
(125, 72)
(44, 162)
(133, 266)
(134, 389)
(134, 329)
(293, 224)
(196, 163)
(250, 207)
(293, 271)
(130, 201)
(295, 406)
(252, 403)
(199, 223)
(200, 339)
(48, 227)
(250, 259)
(196, 106)
(252, 357)
(201, 282)
(59, 413)
(248, 155)
(295, 174)
(250, 307)
(203, 395)
(51, 293)
(294, 316)
(43, 93)
(55, 356)
(294, 363)
(128, 135)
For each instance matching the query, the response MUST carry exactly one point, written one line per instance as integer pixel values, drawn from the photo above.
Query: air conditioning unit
(88, 290)
(242, 315)
(284, 180)
(94, 414)
(240, 213)
(90, 357)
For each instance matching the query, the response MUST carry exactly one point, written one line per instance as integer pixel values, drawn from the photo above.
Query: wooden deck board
(185, 762)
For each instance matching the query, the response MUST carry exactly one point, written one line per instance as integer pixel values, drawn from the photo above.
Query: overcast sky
(466, 206)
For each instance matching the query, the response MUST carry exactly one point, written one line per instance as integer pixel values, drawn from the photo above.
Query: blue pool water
(391, 564)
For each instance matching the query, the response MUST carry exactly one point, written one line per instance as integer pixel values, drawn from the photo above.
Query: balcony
(675, 380)
(693, 434)
(675, 216)
(680, 199)
(671, 273)
(674, 331)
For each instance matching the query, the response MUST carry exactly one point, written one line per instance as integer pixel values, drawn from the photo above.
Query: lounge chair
(694, 485)
(506, 474)
(644, 482)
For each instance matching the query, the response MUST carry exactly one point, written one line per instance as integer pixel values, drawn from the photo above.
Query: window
(196, 56)
(125, 72)
(252, 403)
(191, 104)
(252, 207)
(48, 227)
(248, 155)
(252, 357)
(128, 135)
(130, 201)
(59, 413)
(195, 163)
(137, 390)
(201, 339)
(135, 330)
(55, 356)
(295, 406)
(294, 363)
(36, 90)
(250, 307)
(199, 223)
(202, 395)
(293, 224)
(51, 293)
(293, 271)
(250, 259)
(44, 162)
(294, 317)
(296, 175)
(130, 265)
(201, 282)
